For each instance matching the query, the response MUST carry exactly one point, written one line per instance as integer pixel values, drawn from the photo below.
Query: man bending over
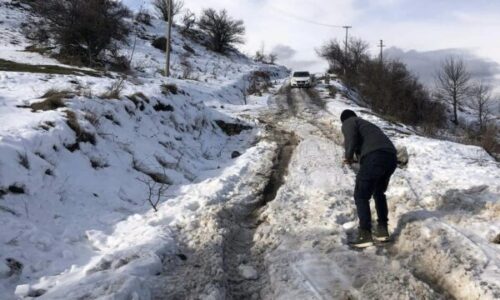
(377, 158)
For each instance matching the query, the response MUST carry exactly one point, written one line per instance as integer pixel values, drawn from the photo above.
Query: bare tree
(357, 53)
(272, 58)
(338, 60)
(162, 8)
(334, 53)
(259, 56)
(480, 101)
(188, 20)
(452, 82)
(156, 192)
(84, 28)
(223, 31)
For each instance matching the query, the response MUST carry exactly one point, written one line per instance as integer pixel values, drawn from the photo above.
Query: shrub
(489, 141)
(84, 28)
(259, 82)
(115, 90)
(163, 107)
(160, 43)
(392, 90)
(170, 88)
(222, 30)
(186, 67)
(143, 17)
(188, 49)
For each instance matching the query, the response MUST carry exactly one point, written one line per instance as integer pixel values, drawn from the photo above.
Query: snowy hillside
(76, 163)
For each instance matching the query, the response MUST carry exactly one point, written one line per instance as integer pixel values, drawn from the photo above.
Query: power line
(299, 18)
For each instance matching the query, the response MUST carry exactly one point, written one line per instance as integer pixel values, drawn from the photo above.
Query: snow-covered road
(289, 240)
(305, 226)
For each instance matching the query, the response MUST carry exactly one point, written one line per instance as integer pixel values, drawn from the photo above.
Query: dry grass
(81, 135)
(114, 91)
(24, 160)
(97, 163)
(157, 177)
(231, 128)
(53, 99)
(138, 99)
(168, 89)
(10, 66)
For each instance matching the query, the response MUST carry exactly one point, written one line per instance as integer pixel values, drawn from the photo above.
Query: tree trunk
(455, 104)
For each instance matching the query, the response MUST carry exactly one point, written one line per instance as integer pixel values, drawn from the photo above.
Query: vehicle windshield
(301, 74)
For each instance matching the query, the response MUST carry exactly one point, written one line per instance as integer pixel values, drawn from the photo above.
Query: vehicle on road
(301, 79)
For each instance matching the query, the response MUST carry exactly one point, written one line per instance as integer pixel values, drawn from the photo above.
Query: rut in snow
(243, 256)
(220, 258)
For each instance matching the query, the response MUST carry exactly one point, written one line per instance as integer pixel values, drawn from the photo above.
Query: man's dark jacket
(362, 137)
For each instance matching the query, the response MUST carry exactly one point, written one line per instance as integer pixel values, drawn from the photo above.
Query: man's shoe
(381, 233)
(363, 239)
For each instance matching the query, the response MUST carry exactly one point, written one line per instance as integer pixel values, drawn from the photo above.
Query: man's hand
(348, 161)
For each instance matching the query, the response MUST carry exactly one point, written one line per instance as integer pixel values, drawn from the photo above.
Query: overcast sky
(423, 26)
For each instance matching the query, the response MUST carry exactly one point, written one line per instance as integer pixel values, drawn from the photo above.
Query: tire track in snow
(243, 255)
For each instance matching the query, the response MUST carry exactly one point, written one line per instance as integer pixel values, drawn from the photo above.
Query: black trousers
(373, 179)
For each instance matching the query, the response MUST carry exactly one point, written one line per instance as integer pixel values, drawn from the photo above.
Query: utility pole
(169, 37)
(381, 45)
(346, 42)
